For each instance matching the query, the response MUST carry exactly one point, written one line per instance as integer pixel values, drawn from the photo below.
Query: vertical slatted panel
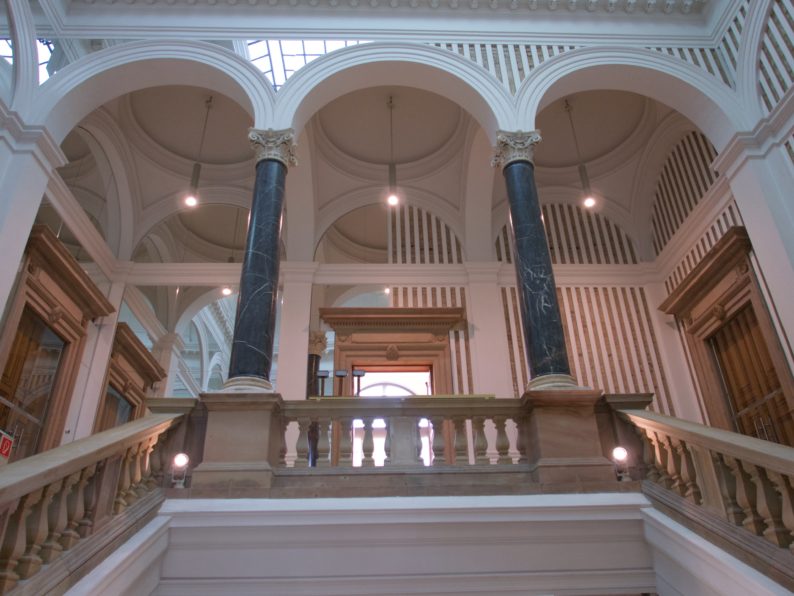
(420, 237)
(727, 218)
(608, 330)
(686, 176)
(577, 236)
(510, 64)
(776, 59)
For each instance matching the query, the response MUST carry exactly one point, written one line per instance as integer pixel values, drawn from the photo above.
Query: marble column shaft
(542, 324)
(254, 328)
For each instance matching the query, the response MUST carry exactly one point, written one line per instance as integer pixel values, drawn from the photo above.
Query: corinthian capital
(317, 342)
(273, 144)
(515, 146)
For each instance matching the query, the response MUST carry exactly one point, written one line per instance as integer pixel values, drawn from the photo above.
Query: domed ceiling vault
(350, 152)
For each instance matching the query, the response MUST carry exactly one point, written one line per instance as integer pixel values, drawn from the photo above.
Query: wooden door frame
(720, 286)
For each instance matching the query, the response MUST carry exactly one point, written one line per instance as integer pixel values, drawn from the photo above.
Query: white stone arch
(81, 87)
(707, 102)
(193, 308)
(370, 195)
(6, 78)
(667, 135)
(172, 204)
(103, 135)
(25, 78)
(216, 363)
(394, 63)
(747, 71)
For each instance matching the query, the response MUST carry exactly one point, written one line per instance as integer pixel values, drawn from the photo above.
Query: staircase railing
(447, 425)
(70, 502)
(722, 482)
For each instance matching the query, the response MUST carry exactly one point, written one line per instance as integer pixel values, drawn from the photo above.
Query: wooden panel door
(754, 393)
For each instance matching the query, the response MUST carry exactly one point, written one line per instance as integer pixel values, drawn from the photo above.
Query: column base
(564, 445)
(241, 447)
(553, 382)
(247, 385)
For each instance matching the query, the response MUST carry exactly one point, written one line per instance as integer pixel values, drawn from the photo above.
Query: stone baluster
(75, 508)
(502, 441)
(673, 464)
(461, 443)
(282, 450)
(521, 440)
(367, 445)
(745, 496)
(147, 482)
(15, 540)
(58, 520)
(769, 507)
(157, 463)
(387, 441)
(438, 445)
(346, 442)
(659, 460)
(37, 531)
(136, 477)
(686, 471)
(480, 441)
(120, 504)
(727, 485)
(91, 493)
(323, 444)
(783, 486)
(302, 446)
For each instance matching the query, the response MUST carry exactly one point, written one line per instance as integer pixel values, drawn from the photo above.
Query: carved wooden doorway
(392, 339)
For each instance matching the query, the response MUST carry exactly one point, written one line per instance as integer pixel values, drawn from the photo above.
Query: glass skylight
(45, 49)
(280, 59)
(6, 50)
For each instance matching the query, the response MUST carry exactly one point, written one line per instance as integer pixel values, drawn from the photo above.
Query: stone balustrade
(704, 473)
(53, 504)
(453, 430)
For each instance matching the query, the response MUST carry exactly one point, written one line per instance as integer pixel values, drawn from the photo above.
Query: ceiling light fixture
(191, 199)
(393, 199)
(226, 291)
(588, 200)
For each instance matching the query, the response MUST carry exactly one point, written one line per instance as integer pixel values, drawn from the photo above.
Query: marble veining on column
(254, 329)
(542, 323)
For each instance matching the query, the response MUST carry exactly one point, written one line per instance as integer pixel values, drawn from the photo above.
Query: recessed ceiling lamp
(588, 200)
(393, 199)
(226, 290)
(191, 199)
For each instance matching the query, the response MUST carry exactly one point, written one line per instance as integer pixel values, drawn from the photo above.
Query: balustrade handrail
(774, 456)
(470, 405)
(24, 476)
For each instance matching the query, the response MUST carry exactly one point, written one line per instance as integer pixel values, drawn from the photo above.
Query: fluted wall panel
(776, 59)
(686, 177)
(417, 236)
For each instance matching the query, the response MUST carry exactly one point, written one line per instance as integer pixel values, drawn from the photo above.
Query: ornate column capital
(317, 342)
(278, 145)
(515, 146)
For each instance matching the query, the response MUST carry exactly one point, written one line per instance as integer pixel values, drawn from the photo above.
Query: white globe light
(589, 202)
(181, 460)
(620, 454)
(393, 200)
(226, 291)
(191, 201)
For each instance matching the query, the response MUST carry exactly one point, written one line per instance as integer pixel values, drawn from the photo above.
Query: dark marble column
(540, 312)
(252, 345)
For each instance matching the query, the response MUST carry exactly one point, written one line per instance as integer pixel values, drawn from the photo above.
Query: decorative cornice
(515, 146)
(278, 145)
